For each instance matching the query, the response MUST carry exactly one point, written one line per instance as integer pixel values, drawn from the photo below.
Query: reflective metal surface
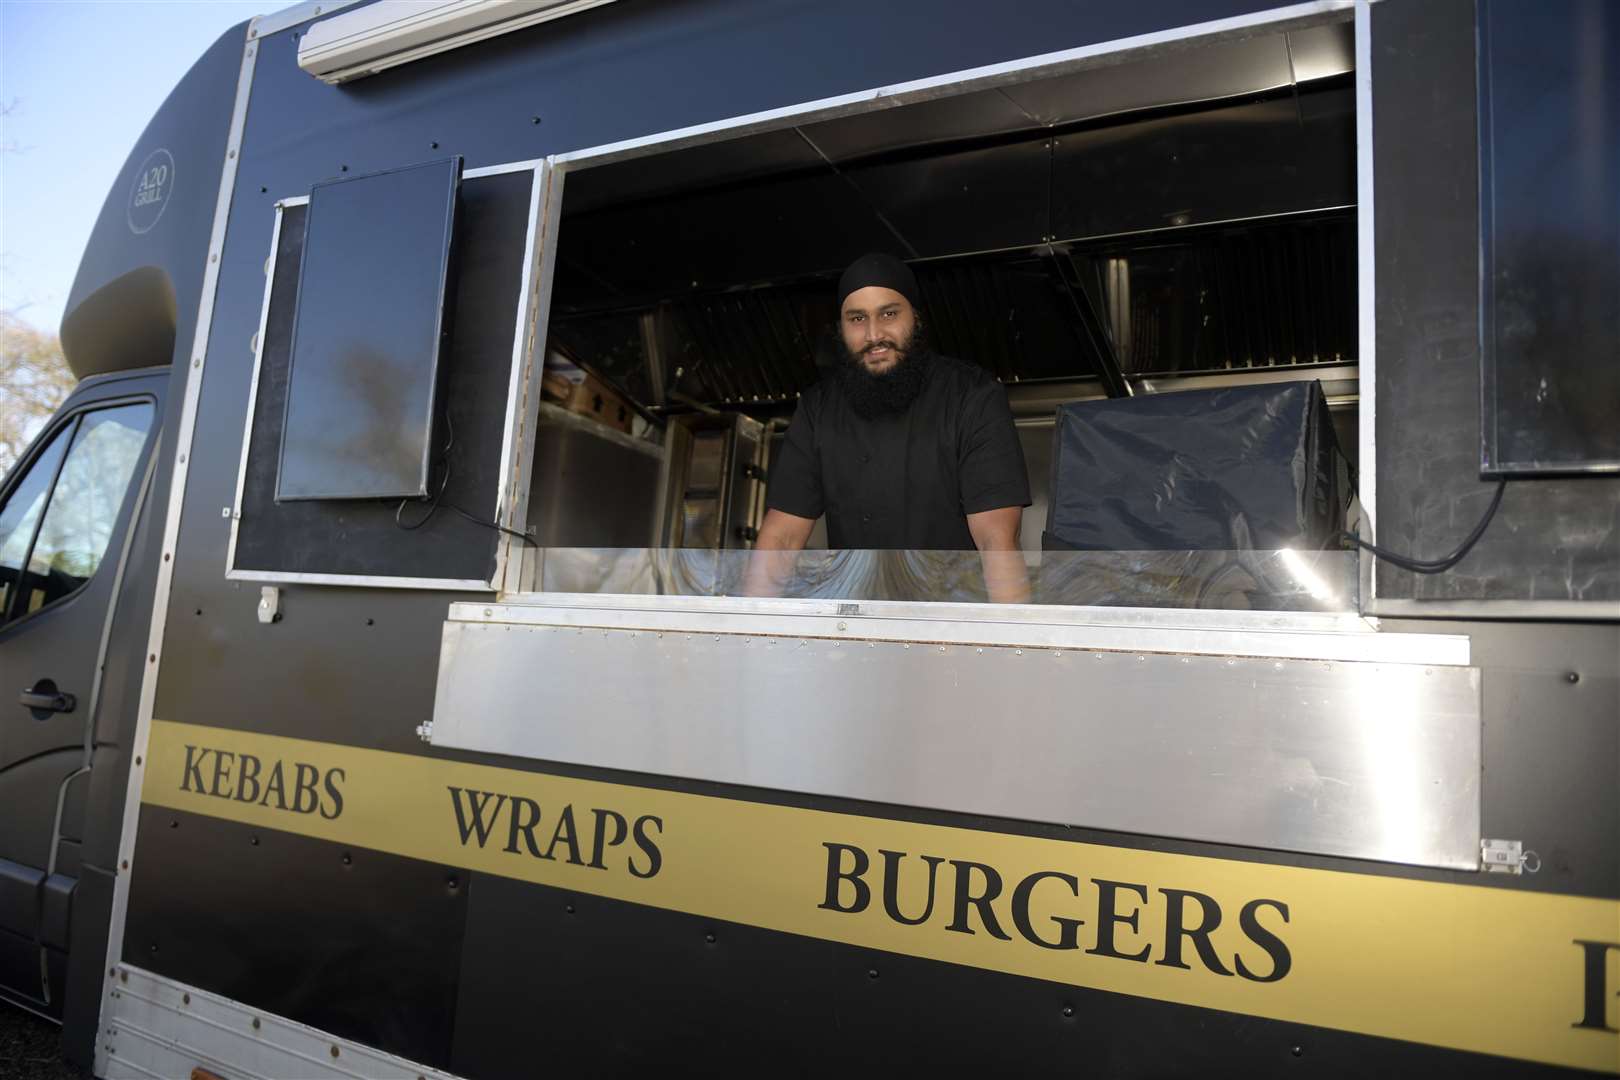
(631, 238)
(593, 485)
(1283, 580)
(157, 1026)
(1377, 761)
(1228, 69)
(1030, 95)
(1267, 634)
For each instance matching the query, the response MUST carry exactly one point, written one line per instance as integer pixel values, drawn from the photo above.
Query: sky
(79, 79)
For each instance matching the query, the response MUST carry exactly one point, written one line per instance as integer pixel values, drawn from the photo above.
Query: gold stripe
(1495, 971)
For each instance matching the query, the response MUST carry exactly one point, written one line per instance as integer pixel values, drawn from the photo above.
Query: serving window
(1163, 250)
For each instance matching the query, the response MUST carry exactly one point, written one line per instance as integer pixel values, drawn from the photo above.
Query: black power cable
(1435, 566)
(444, 482)
(438, 498)
(434, 508)
(489, 524)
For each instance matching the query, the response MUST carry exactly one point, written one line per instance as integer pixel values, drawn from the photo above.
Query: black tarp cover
(1240, 468)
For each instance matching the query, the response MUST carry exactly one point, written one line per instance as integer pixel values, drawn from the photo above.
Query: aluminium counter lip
(1281, 635)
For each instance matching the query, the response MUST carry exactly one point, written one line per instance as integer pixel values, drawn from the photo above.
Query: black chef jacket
(908, 480)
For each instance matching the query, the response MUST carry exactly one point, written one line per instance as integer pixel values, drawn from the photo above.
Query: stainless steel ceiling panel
(1232, 163)
(1229, 69)
(711, 238)
(766, 154)
(912, 126)
(1207, 73)
(1322, 52)
(956, 204)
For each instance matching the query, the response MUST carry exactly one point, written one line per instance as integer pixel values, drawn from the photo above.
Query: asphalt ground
(31, 1048)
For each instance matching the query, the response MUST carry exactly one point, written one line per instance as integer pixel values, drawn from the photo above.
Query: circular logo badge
(153, 183)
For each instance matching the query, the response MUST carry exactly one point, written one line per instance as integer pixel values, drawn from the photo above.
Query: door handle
(54, 701)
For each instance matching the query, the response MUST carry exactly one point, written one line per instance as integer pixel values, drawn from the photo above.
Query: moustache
(880, 345)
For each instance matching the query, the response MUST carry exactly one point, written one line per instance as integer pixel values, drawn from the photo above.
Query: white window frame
(511, 502)
(786, 615)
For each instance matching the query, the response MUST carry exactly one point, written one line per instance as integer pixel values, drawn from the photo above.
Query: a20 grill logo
(154, 182)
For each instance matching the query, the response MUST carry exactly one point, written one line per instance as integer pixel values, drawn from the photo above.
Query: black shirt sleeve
(795, 485)
(992, 461)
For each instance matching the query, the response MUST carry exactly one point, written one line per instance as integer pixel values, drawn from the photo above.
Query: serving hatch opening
(1185, 219)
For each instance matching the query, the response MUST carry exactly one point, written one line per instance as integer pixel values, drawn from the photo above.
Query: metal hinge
(1507, 857)
(424, 731)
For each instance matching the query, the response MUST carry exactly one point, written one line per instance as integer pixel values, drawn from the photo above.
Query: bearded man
(900, 448)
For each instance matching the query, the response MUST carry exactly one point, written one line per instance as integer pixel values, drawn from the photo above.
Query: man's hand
(781, 538)
(995, 534)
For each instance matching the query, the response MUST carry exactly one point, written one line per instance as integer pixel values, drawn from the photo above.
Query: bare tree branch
(34, 380)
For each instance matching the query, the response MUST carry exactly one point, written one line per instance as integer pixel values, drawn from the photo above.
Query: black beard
(889, 393)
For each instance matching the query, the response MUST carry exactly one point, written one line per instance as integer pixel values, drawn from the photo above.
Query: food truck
(391, 700)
